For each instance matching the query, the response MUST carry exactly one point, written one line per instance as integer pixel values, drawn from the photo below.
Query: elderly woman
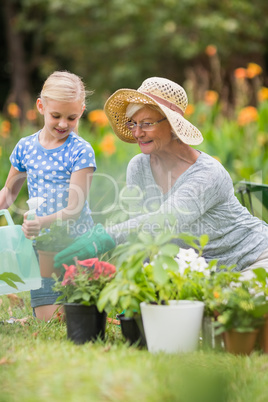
(175, 179)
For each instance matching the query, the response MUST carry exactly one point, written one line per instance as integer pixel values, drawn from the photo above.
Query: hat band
(164, 102)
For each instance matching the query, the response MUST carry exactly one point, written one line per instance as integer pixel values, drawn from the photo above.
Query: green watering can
(17, 256)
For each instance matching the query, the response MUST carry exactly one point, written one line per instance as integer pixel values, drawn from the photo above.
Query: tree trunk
(19, 75)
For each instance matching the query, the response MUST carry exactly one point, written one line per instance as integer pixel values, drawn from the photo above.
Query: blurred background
(218, 51)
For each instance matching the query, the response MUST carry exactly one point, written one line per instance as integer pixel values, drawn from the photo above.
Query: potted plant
(80, 290)
(49, 243)
(240, 307)
(174, 324)
(148, 278)
(129, 288)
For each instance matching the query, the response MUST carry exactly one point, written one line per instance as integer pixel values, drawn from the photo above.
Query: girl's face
(157, 140)
(60, 118)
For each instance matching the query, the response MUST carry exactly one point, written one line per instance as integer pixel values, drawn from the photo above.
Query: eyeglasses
(144, 126)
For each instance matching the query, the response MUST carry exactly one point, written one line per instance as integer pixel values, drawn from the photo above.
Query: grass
(38, 363)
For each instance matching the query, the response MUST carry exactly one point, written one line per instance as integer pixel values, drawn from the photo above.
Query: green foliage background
(118, 43)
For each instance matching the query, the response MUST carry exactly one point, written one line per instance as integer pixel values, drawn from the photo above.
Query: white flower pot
(172, 328)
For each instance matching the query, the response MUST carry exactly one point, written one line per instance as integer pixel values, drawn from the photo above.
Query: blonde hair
(64, 86)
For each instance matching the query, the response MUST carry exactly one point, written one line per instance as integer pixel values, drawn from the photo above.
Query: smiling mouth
(145, 142)
(60, 131)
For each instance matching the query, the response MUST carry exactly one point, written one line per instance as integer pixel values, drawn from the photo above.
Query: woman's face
(157, 140)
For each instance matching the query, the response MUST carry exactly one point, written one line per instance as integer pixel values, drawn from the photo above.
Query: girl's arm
(80, 183)
(10, 191)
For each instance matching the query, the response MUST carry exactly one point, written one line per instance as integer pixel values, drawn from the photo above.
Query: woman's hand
(31, 228)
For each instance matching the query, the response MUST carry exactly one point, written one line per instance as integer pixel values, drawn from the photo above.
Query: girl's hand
(31, 228)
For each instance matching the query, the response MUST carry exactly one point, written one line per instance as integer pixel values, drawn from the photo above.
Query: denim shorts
(44, 295)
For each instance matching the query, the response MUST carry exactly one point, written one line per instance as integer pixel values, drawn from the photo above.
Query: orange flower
(211, 97)
(240, 73)
(211, 50)
(189, 110)
(13, 110)
(107, 145)
(253, 69)
(98, 117)
(216, 294)
(5, 128)
(263, 94)
(247, 115)
(31, 114)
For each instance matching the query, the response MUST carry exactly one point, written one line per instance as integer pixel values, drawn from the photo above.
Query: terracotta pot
(263, 336)
(240, 342)
(46, 263)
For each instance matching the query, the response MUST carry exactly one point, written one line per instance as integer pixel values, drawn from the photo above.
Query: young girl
(58, 165)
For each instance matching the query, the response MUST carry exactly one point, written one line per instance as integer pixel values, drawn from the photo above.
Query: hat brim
(115, 109)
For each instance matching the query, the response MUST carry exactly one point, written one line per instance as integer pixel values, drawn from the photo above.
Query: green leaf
(189, 239)
(261, 274)
(203, 240)
(145, 238)
(168, 263)
(10, 283)
(170, 249)
(86, 296)
(10, 278)
(125, 302)
(163, 238)
(114, 297)
(160, 275)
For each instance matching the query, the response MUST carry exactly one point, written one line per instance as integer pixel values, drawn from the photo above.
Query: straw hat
(170, 97)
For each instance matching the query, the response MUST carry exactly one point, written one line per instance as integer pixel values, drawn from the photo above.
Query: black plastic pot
(132, 329)
(84, 323)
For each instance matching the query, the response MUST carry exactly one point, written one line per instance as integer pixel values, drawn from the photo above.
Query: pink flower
(69, 274)
(108, 269)
(83, 282)
(88, 263)
(101, 268)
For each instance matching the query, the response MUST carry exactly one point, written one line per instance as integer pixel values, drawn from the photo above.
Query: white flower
(182, 265)
(199, 265)
(187, 255)
(247, 275)
(234, 285)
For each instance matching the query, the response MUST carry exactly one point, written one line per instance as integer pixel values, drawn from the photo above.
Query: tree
(119, 43)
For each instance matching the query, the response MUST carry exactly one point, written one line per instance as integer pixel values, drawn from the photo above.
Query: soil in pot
(132, 329)
(84, 323)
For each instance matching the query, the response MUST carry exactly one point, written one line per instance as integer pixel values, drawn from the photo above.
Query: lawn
(38, 363)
